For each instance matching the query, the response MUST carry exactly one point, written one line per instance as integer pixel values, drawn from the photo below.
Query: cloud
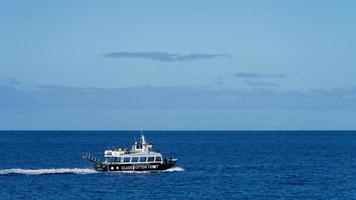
(10, 82)
(14, 82)
(261, 84)
(152, 107)
(163, 56)
(258, 75)
(48, 97)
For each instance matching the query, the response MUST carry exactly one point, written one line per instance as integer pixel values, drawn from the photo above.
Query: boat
(141, 157)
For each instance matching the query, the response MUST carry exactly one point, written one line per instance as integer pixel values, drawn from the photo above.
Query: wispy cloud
(14, 82)
(261, 84)
(148, 97)
(259, 75)
(163, 56)
(65, 107)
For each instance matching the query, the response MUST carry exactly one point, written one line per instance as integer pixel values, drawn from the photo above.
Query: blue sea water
(212, 165)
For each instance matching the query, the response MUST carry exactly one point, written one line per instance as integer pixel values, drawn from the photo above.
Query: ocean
(211, 165)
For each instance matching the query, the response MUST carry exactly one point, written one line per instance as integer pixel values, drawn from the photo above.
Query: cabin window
(134, 159)
(118, 159)
(150, 159)
(126, 159)
(143, 159)
(158, 158)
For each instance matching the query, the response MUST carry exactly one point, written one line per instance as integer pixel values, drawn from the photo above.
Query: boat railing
(93, 159)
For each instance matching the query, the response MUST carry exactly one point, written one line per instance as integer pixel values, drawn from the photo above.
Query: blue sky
(177, 64)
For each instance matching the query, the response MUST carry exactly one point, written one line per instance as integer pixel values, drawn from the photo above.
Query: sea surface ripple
(211, 165)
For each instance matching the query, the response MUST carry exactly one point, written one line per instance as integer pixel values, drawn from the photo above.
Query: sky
(181, 65)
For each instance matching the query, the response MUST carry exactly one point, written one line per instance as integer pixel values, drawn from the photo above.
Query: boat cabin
(150, 158)
(141, 152)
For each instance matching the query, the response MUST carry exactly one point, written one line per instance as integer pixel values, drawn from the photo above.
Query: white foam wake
(47, 171)
(175, 169)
